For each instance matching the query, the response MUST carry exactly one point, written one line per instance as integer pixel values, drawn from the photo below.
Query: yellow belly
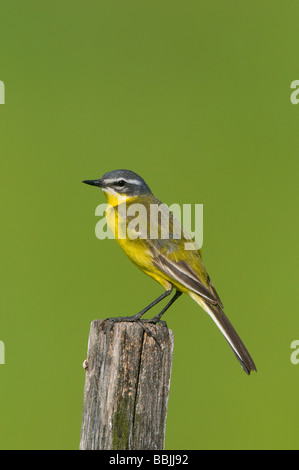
(139, 250)
(136, 249)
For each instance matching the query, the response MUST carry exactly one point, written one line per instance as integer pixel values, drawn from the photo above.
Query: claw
(150, 333)
(109, 322)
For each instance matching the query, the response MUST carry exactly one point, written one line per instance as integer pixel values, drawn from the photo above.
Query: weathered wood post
(126, 386)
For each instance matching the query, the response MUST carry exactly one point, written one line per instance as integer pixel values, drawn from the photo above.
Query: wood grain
(126, 386)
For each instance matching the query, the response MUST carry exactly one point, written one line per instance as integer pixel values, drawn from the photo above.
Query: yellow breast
(136, 249)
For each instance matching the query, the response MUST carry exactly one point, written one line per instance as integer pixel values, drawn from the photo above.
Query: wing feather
(184, 274)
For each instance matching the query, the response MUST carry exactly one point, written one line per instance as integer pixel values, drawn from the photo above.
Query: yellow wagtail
(164, 258)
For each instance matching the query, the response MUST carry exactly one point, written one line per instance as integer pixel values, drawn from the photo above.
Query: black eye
(121, 183)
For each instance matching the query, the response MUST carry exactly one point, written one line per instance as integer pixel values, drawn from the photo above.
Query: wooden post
(126, 386)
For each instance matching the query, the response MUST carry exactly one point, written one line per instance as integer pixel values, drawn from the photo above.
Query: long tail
(230, 334)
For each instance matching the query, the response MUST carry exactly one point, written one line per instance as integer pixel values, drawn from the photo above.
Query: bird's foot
(155, 320)
(109, 322)
(112, 320)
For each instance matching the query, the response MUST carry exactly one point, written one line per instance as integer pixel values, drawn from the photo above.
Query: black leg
(174, 298)
(146, 309)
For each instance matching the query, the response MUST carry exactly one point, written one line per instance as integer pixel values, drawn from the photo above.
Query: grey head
(124, 182)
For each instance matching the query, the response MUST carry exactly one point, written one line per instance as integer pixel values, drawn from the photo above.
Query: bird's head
(123, 184)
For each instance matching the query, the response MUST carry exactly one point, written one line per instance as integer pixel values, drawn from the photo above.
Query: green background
(195, 97)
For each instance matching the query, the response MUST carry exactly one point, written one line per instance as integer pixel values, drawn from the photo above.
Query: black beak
(94, 183)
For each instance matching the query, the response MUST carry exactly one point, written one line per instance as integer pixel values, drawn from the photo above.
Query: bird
(164, 258)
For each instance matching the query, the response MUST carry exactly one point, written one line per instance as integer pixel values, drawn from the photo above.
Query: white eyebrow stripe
(123, 179)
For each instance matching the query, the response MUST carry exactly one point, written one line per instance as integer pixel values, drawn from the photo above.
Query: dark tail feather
(230, 334)
(232, 338)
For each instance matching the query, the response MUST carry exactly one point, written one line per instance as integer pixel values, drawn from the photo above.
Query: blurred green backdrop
(194, 96)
